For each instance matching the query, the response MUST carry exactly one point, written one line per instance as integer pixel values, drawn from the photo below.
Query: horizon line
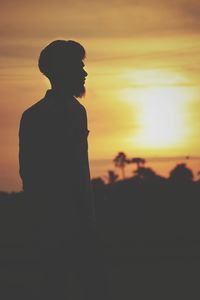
(156, 159)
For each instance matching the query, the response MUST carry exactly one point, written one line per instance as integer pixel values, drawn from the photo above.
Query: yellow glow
(160, 116)
(155, 77)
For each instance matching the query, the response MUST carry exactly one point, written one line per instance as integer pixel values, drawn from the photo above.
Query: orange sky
(143, 88)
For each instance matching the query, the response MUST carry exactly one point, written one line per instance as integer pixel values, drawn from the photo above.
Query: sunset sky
(143, 88)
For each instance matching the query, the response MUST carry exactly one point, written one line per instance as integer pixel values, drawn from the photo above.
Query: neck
(61, 90)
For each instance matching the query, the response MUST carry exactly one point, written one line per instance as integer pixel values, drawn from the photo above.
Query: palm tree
(138, 161)
(120, 161)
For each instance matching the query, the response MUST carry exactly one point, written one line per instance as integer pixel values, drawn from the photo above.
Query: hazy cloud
(48, 19)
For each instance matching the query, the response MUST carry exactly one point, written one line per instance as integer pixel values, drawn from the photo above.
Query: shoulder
(35, 108)
(33, 111)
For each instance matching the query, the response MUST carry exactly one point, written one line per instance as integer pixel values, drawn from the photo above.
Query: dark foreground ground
(154, 271)
(151, 242)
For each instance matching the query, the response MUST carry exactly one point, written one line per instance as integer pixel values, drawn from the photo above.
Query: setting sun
(161, 118)
(161, 105)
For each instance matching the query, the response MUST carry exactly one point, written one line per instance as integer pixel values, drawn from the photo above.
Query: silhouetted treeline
(145, 207)
(134, 209)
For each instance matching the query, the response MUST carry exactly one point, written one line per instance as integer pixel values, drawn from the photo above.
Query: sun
(160, 116)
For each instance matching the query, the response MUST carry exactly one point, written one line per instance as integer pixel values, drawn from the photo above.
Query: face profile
(76, 79)
(62, 63)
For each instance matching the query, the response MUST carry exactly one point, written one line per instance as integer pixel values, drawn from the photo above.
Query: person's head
(62, 63)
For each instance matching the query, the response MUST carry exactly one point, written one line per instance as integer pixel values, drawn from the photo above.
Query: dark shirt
(53, 157)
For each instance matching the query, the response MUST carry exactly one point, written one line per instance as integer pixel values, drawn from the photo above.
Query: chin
(80, 91)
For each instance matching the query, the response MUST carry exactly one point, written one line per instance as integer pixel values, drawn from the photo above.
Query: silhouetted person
(54, 168)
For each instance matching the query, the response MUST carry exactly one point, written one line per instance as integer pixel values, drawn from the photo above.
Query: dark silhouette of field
(150, 237)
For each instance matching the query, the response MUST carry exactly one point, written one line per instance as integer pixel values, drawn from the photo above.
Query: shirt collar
(58, 101)
(59, 95)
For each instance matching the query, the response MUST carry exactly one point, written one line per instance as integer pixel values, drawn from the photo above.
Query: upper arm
(22, 144)
(25, 145)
